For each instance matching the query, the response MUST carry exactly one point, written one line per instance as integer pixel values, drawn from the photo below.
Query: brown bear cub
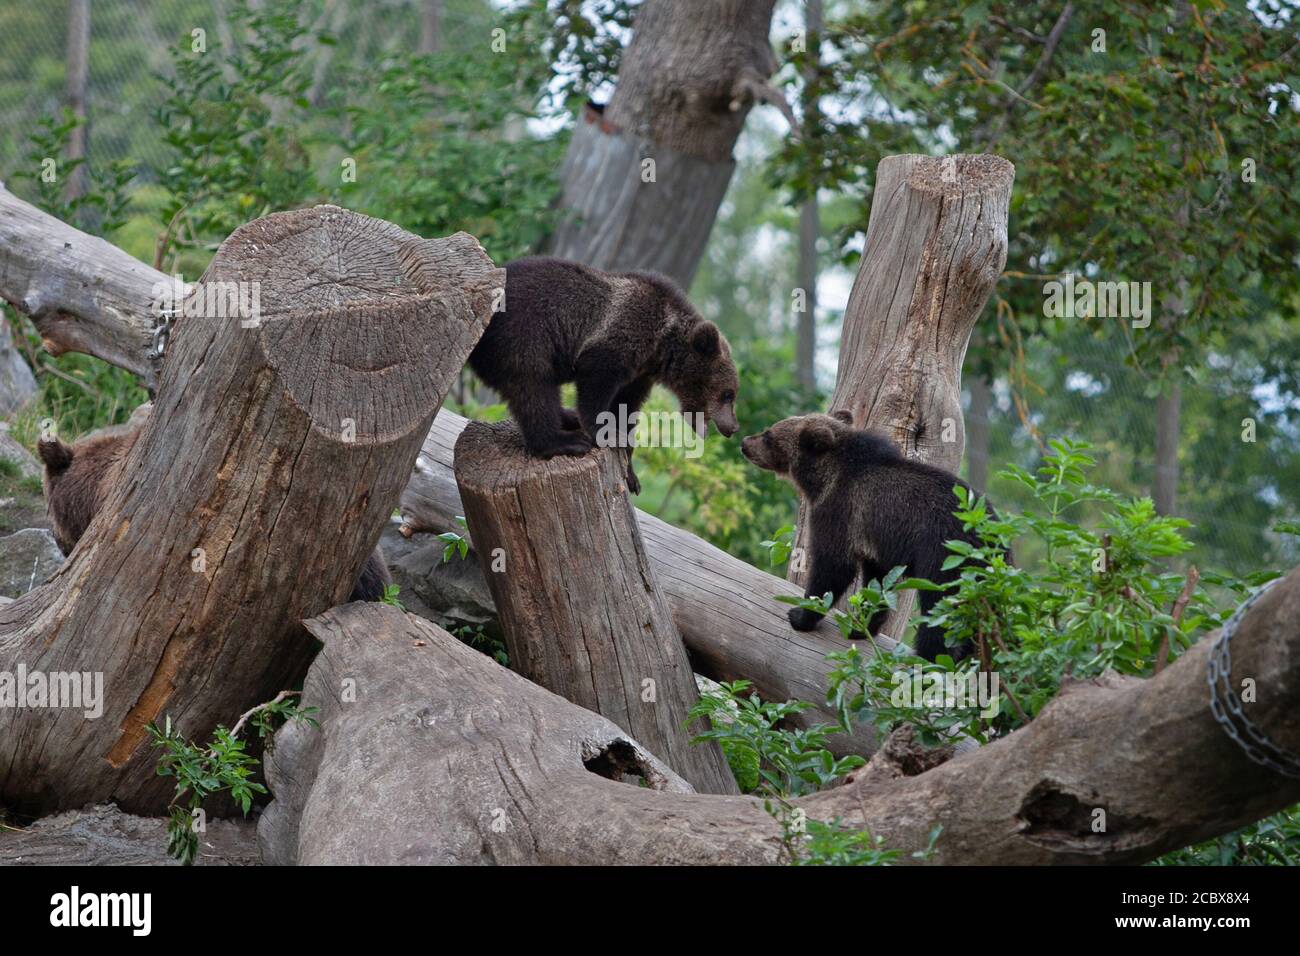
(613, 333)
(870, 510)
(78, 478)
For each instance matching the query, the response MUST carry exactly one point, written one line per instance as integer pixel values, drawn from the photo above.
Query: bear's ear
(816, 437)
(706, 339)
(843, 415)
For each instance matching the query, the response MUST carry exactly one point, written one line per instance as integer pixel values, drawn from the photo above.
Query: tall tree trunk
(809, 215)
(977, 433)
(936, 244)
(261, 482)
(78, 73)
(1168, 409)
(642, 181)
(430, 26)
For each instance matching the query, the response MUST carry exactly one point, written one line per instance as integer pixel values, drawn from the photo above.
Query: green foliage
(454, 544)
(390, 597)
(1273, 841)
(779, 546)
(766, 757)
(233, 118)
(223, 766)
(440, 145)
(476, 637)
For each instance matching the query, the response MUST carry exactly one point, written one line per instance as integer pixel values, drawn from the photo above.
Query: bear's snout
(749, 447)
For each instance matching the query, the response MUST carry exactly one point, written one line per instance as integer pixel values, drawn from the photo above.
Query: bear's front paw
(802, 619)
(633, 483)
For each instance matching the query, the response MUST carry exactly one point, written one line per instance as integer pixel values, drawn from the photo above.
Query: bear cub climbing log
(616, 335)
(870, 510)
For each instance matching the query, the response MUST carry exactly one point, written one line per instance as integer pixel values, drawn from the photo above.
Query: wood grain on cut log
(259, 485)
(579, 605)
(83, 294)
(450, 758)
(936, 244)
(726, 610)
(685, 84)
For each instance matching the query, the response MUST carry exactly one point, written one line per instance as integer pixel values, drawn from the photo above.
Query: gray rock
(11, 450)
(105, 836)
(27, 558)
(451, 594)
(17, 384)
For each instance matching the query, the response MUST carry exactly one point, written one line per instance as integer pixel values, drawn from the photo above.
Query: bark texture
(726, 611)
(936, 244)
(187, 590)
(582, 613)
(450, 758)
(84, 294)
(685, 85)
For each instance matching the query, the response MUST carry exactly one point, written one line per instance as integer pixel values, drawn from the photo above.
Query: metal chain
(1225, 703)
(162, 331)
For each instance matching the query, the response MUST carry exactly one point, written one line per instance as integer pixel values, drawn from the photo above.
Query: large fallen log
(725, 609)
(582, 613)
(450, 758)
(935, 247)
(82, 293)
(277, 447)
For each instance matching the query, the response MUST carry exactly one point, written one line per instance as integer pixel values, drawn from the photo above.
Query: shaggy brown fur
(870, 510)
(616, 335)
(78, 478)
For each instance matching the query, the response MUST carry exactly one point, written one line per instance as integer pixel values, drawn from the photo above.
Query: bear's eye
(767, 438)
(728, 397)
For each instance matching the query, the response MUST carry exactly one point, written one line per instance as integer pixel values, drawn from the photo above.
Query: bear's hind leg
(536, 408)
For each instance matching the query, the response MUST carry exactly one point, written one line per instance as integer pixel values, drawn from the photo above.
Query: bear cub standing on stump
(614, 333)
(78, 478)
(869, 510)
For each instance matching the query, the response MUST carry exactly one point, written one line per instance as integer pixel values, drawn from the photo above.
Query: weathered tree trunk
(685, 85)
(977, 434)
(277, 447)
(726, 610)
(78, 75)
(809, 214)
(430, 26)
(1168, 409)
(582, 613)
(936, 244)
(83, 294)
(452, 759)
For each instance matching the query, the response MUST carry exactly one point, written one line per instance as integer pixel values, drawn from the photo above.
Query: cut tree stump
(274, 455)
(936, 244)
(582, 613)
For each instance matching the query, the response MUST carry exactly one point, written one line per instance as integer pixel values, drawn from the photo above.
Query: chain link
(1225, 704)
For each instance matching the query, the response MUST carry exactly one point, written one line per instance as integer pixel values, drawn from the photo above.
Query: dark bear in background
(78, 478)
(870, 510)
(613, 333)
